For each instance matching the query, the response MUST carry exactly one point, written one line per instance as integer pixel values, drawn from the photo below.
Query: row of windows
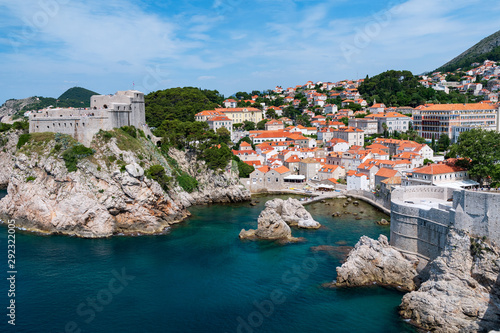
(64, 125)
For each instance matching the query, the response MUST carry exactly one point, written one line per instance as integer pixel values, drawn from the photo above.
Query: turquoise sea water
(197, 278)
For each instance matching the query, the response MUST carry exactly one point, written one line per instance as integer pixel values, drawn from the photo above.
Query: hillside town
(338, 141)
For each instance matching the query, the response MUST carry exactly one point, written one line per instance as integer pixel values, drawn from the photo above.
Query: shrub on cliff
(23, 138)
(157, 173)
(130, 130)
(188, 183)
(5, 127)
(72, 155)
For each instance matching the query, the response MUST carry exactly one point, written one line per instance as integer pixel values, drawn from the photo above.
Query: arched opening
(105, 106)
(158, 143)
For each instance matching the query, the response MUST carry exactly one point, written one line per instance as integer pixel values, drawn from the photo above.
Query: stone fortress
(421, 217)
(125, 108)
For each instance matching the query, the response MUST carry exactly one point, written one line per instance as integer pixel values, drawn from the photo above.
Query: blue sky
(48, 46)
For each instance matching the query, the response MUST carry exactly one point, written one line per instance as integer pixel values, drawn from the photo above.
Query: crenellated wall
(421, 217)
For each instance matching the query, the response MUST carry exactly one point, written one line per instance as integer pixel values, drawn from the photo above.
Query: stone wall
(381, 200)
(125, 108)
(421, 217)
(478, 213)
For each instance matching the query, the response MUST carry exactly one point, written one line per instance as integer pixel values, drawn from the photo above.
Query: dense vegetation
(179, 103)
(72, 155)
(402, 88)
(479, 151)
(198, 138)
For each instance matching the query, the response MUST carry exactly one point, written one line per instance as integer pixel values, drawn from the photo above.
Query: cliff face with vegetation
(13, 106)
(122, 184)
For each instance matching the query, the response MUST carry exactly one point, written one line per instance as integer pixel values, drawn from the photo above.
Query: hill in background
(486, 49)
(77, 95)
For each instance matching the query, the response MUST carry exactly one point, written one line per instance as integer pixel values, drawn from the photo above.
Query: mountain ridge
(485, 48)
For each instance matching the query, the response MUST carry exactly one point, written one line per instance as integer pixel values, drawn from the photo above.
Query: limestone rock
(274, 220)
(135, 170)
(462, 293)
(8, 142)
(293, 213)
(272, 226)
(375, 261)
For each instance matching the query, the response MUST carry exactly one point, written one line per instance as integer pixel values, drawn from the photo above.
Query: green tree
(224, 135)
(261, 125)
(270, 114)
(178, 104)
(248, 125)
(242, 95)
(443, 142)
(245, 139)
(244, 169)
(479, 151)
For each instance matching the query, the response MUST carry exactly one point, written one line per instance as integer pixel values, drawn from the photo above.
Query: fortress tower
(125, 108)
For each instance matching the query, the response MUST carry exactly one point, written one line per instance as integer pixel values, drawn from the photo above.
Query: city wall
(421, 217)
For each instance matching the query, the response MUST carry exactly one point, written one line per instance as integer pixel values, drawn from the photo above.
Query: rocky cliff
(375, 261)
(8, 141)
(108, 193)
(462, 293)
(12, 106)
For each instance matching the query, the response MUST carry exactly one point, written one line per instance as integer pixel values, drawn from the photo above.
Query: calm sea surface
(197, 278)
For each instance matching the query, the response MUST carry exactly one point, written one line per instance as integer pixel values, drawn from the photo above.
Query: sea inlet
(200, 277)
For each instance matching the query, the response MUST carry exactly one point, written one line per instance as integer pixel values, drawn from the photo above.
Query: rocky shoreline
(101, 199)
(458, 292)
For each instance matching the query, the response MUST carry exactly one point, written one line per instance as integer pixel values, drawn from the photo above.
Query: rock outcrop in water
(375, 261)
(274, 220)
(102, 197)
(462, 293)
(293, 213)
(270, 226)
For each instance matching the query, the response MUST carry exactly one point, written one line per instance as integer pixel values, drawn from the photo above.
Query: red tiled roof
(437, 169)
(282, 169)
(386, 173)
(460, 107)
(264, 169)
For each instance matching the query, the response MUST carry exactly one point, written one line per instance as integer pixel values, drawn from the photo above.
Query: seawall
(421, 217)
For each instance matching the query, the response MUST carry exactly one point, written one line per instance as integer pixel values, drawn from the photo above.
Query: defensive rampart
(421, 217)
